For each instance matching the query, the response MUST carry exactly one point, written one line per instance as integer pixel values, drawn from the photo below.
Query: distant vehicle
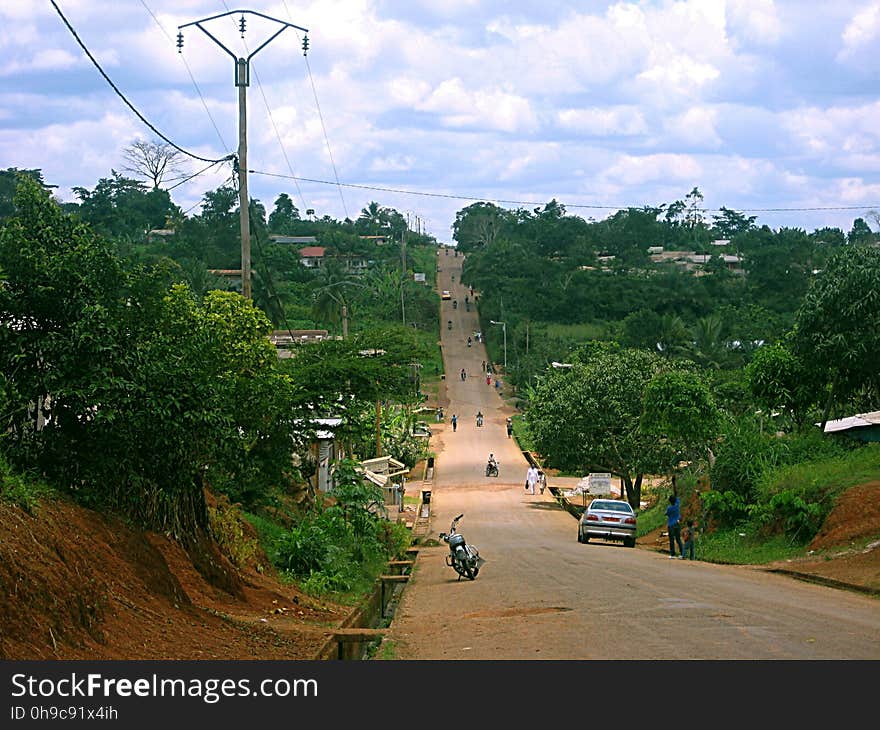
(446, 294)
(608, 519)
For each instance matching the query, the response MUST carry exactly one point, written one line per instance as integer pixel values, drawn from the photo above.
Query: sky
(427, 106)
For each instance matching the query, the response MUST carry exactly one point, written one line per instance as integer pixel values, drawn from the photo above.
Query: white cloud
(637, 170)
(494, 108)
(862, 30)
(756, 20)
(601, 121)
(695, 127)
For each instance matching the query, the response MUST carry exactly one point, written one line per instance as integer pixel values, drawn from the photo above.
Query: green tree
(837, 328)
(285, 216)
(779, 380)
(588, 417)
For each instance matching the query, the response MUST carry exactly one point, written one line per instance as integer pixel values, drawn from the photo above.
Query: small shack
(862, 426)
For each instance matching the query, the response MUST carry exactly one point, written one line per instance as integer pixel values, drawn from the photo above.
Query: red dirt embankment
(75, 584)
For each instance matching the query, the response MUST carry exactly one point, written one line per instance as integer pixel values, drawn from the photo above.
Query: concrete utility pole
(242, 81)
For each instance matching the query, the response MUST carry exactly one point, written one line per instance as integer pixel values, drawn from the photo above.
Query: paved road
(542, 595)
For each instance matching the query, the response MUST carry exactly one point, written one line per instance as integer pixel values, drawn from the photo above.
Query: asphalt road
(542, 595)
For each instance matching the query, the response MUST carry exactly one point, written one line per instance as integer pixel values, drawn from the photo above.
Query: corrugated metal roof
(860, 420)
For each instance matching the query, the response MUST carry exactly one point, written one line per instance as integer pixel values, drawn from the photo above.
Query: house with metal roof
(862, 426)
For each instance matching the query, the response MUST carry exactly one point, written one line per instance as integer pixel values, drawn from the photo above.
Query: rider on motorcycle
(479, 418)
(491, 465)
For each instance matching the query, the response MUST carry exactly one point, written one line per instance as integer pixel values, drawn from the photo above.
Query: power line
(190, 177)
(326, 138)
(272, 119)
(320, 115)
(192, 78)
(122, 96)
(567, 205)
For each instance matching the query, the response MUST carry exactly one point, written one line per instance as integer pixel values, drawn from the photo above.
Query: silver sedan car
(608, 519)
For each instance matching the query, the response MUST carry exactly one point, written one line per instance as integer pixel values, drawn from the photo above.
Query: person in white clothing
(531, 479)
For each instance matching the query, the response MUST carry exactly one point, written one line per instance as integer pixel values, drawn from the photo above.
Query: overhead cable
(127, 102)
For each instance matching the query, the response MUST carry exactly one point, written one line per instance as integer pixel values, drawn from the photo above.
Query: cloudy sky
(759, 104)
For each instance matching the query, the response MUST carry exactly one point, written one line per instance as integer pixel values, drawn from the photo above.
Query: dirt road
(542, 595)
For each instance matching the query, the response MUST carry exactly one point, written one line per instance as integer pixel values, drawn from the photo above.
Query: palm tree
(673, 336)
(332, 290)
(709, 345)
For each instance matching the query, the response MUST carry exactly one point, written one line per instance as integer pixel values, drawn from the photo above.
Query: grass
(739, 546)
(832, 474)
(21, 489)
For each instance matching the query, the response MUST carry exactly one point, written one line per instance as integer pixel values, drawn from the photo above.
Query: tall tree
(154, 161)
(837, 328)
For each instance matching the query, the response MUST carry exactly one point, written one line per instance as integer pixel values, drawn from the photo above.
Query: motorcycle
(492, 469)
(455, 303)
(449, 325)
(479, 420)
(463, 558)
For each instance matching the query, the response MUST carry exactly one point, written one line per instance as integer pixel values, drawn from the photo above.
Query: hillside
(75, 584)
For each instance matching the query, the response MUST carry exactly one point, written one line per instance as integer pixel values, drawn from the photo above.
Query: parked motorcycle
(463, 558)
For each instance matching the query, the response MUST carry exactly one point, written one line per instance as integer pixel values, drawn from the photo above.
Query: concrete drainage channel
(365, 628)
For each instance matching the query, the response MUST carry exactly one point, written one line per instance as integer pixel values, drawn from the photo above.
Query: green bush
(20, 489)
(342, 547)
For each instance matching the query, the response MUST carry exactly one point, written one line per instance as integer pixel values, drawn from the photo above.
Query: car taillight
(629, 521)
(595, 518)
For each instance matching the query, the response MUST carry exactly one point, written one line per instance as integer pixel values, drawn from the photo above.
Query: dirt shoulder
(75, 584)
(844, 554)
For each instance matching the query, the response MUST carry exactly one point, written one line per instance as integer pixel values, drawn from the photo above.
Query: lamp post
(504, 332)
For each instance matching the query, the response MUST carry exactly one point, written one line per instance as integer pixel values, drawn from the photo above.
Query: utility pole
(242, 81)
(403, 273)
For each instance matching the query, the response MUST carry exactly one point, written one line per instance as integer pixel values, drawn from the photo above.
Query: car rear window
(611, 506)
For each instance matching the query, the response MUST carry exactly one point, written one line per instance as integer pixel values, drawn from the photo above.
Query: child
(688, 535)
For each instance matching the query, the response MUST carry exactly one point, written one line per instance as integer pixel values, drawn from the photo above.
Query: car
(446, 294)
(608, 519)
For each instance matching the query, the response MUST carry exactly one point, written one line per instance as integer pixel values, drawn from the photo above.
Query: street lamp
(504, 332)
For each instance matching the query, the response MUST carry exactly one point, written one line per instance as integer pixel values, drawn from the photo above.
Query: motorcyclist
(491, 464)
(469, 341)
(449, 324)
(479, 418)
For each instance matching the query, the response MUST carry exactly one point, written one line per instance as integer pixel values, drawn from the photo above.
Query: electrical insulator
(180, 41)
(241, 25)
(305, 45)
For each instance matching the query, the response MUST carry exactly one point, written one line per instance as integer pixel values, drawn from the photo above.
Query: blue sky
(759, 104)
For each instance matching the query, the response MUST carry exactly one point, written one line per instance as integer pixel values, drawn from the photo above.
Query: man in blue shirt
(673, 525)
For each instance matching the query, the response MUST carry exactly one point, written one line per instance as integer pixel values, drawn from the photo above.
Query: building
(862, 426)
(295, 240)
(312, 256)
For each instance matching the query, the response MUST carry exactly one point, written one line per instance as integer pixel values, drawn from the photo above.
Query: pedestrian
(509, 427)
(689, 535)
(542, 480)
(454, 421)
(497, 384)
(673, 525)
(488, 380)
(484, 366)
(463, 375)
(531, 479)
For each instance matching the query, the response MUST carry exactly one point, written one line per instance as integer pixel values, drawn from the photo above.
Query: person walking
(488, 380)
(542, 480)
(463, 375)
(689, 536)
(454, 421)
(673, 525)
(484, 366)
(531, 479)
(509, 427)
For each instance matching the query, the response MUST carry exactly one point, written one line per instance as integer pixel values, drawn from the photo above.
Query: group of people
(535, 479)
(684, 539)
